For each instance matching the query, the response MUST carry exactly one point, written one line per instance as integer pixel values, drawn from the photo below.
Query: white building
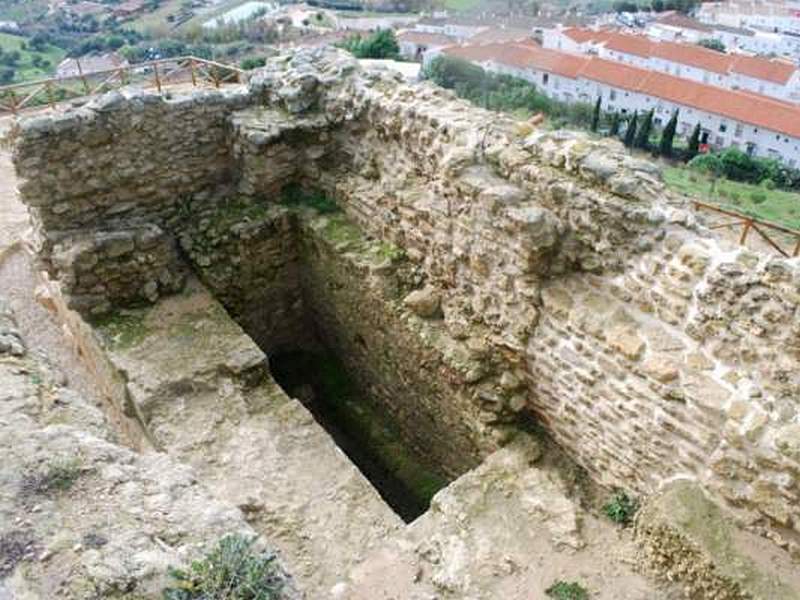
(414, 44)
(771, 77)
(756, 124)
(759, 14)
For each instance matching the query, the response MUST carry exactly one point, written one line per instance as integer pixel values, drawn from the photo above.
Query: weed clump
(233, 570)
(567, 590)
(58, 475)
(621, 508)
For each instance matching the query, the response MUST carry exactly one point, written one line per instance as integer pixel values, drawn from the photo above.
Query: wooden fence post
(82, 76)
(158, 80)
(13, 97)
(194, 75)
(49, 88)
(747, 225)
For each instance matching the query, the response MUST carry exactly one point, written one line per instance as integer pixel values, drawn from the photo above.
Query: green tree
(643, 135)
(710, 164)
(614, 132)
(694, 143)
(7, 75)
(596, 114)
(668, 135)
(712, 44)
(381, 44)
(630, 131)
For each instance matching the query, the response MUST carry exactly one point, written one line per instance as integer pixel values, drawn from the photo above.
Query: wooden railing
(154, 73)
(761, 227)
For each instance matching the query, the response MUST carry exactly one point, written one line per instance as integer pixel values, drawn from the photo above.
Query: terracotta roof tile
(428, 39)
(776, 71)
(678, 20)
(494, 35)
(522, 56)
(761, 111)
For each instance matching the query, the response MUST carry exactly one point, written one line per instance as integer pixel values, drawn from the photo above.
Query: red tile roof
(637, 45)
(694, 56)
(521, 56)
(746, 107)
(776, 71)
(493, 35)
(425, 39)
(678, 20)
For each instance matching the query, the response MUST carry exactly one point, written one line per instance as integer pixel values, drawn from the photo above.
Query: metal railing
(748, 224)
(154, 73)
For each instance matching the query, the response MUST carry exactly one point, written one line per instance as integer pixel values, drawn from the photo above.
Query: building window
(723, 127)
(545, 78)
(612, 95)
(719, 141)
(739, 130)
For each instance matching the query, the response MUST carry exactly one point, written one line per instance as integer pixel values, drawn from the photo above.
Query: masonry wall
(650, 350)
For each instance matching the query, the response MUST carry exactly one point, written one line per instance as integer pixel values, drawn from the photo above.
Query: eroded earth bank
(409, 346)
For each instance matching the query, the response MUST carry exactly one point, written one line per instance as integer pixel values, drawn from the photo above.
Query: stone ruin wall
(648, 349)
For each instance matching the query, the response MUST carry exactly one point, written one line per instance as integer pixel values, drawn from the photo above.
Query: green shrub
(564, 590)
(233, 570)
(58, 475)
(503, 92)
(735, 197)
(758, 197)
(621, 508)
(381, 44)
(253, 63)
(768, 184)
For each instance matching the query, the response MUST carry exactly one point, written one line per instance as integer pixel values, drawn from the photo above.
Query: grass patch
(233, 570)
(567, 590)
(461, 5)
(753, 200)
(23, 11)
(122, 329)
(388, 251)
(156, 22)
(58, 475)
(620, 508)
(24, 69)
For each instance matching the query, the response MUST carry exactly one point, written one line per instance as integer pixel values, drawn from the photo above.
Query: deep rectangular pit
(368, 435)
(295, 280)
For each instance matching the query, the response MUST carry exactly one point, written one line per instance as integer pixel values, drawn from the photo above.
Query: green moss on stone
(122, 329)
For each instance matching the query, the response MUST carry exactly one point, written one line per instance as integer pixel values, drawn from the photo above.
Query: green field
(156, 23)
(770, 205)
(22, 11)
(25, 71)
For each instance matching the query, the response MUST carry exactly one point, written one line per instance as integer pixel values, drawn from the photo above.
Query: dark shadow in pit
(364, 432)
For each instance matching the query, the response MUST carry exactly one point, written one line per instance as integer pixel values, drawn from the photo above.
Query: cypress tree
(614, 132)
(667, 136)
(596, 114)
(643, 135)
(694, 143)
(630, 132)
